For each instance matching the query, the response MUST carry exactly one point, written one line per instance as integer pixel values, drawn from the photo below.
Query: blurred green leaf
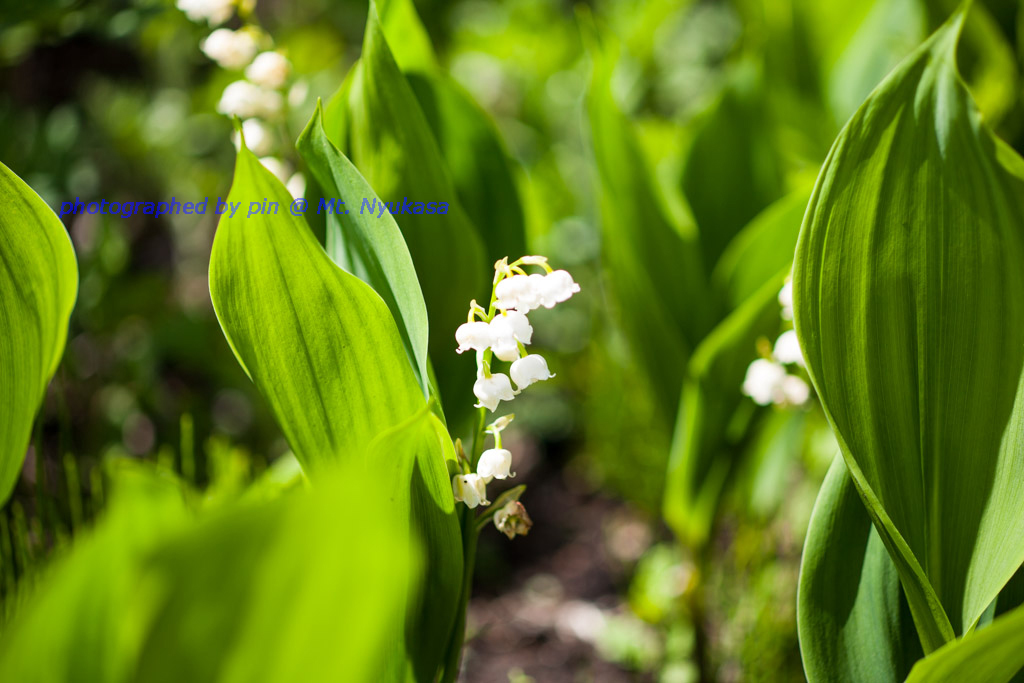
(853, 620)
(654, 269)
(908, 304)
(38, 286)
(368, 246)
(703, 449)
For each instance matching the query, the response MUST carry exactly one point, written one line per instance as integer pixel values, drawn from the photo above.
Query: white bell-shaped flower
(787, 348)
(495, 463)
(521, 326)
(244, 99)
(258, 137)
(795, 391)
(529, 369)
(296, 185)
(214, 11)
(491, 390)
(470, 489)
(763, 382)
(280, 169)
(556, 287)
(269, 69)
(519, 292)
(504, 341)
(786, 300)
(475, 335)
(230, 49)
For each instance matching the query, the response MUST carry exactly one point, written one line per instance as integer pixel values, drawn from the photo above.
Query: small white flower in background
(230, 49)
(525, 293)
(786, 300)
(529, 369)
(495, 463)
(491, 390)
(470, 489)
(257, 137)
(243, 99)
(214, 11)
(269, 69)
(277, 167)
(787, 348)
(296, 185)
(795, 391)
(512, 520)
(763, 382)
(475, 335)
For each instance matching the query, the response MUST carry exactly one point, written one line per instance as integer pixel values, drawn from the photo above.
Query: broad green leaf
(654, 270)
(994, 654)
(406, 35)
(478, 162)
(704, 445)
(369, 246)
(391, 143)
(324, 350)
(910, 306)
(853, 621)
(38, 287)
(763, 248)
(733, 169)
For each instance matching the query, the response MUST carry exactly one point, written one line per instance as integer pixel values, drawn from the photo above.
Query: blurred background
(733, 104)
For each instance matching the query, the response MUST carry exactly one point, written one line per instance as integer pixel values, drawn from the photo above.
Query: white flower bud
(269, 69)
(519, 292)
(787, 348)
(296, 185)
(230, 49)
(786, 300)
(495, 463)
(556, 287)
(244, 99)
(214, 11)
(491, 390)
(470, 489)
(763, 381)
(279, 168)
(795, 391)
(512, 520)
(257, 137)
(529, 369)
(475, 335)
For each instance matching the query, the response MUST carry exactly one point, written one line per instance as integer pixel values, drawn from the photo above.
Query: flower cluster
(768, 380)
(503, 330)
(257, 99)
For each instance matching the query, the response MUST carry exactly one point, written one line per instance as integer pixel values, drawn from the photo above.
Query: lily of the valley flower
(512, 520)
(470, 489)
(529, 369)
(269, 69)
(767, 382)
(490, 390)
(473, 335)
(495, 463)
(525, 293)
(244, 99)
(230, 49)
(216, 12)
(786, 300)
(787, 349)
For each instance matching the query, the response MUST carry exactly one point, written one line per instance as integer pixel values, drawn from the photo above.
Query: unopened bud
(512, 520)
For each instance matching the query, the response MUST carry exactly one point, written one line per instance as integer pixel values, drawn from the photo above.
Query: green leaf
(993, 654)
(704, 446)
(38, 287)
(909, 302)
(763, 248)
(853, 621)
(369, 246)
(733, 169)
(391, 143)
(653, 269)
(324, 350)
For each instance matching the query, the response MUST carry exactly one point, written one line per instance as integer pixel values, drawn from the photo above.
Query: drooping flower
(491, 390)
(556, 287)
(786, 300)
(521, 326)
(495, 463)
(296, 185)
(529, 369)
(518, 292)
(795, 391)
(763, 382)
(269, 69)
(504, 342)
(257, 137)
(512, 520)
(470, 489)
(787, 348)
(475, 335)
(230, 49)
(216, 12)
(244, 99)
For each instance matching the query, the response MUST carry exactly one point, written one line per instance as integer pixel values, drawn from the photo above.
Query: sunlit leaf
(853, 620)
(994, 654)
(910, 309)
(38, 287)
